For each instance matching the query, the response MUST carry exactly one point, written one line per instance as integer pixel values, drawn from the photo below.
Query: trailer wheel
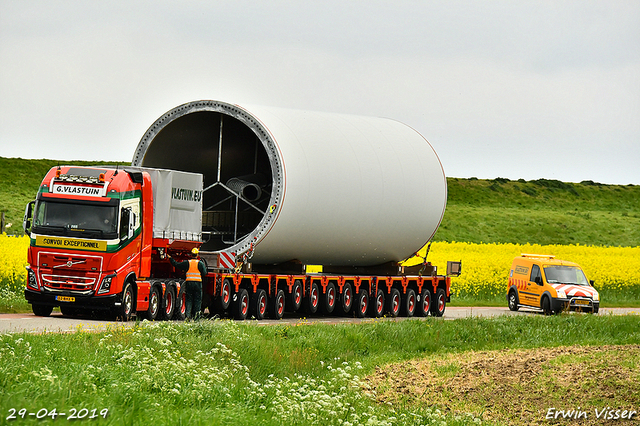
(313, 300)
(329, 299)
(126, 308)
(180, 313)
(439, 305)
(41, 310)
(294, 299)
(259, 304)
(362, 303)
(241, 308)
(409, 303)
(346, 300)
(393, 304)
(424, 306)
(377, 304)
(223, 300)
(276, 305)
(168, 303)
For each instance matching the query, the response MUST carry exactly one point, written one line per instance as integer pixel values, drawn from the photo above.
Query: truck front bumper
(106, 302)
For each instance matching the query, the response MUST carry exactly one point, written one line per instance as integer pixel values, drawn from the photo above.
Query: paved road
(12, 323)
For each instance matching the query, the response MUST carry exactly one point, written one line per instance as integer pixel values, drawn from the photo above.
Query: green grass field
(224, 372)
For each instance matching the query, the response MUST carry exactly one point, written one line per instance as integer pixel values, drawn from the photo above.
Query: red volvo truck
(99, 239)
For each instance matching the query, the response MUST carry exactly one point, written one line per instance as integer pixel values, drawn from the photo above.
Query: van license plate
(582, 302)
(65, 299)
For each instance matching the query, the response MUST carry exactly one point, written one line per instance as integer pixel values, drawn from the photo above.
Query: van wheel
(546, 306)
(513, 301)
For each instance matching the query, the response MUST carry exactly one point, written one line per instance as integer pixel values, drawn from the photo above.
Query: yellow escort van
(550, 284)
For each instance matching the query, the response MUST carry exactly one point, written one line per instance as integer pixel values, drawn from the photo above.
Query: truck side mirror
(26, 222)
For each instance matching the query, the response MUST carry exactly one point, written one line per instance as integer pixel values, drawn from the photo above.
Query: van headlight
(105, 285)
(596, 296)
(561, 294)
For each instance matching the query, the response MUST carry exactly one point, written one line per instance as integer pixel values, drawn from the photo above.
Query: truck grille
(68, 282)
(76, 273)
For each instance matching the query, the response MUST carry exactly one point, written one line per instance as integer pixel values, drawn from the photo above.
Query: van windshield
(562, 274)
(79, 219)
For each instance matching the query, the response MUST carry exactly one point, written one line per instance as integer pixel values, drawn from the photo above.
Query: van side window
(535, 273)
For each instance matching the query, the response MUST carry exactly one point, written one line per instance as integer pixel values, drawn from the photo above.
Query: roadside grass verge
(224, 372)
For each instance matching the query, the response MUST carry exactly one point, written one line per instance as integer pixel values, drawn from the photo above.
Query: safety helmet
(195, 251)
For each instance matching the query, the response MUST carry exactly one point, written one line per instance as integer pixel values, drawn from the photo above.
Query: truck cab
(86, 238)
(550, 284)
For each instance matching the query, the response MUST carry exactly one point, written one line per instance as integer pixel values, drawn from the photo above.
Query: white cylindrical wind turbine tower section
(330, 189)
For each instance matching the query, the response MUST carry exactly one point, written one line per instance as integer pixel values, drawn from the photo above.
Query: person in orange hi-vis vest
(196, 271)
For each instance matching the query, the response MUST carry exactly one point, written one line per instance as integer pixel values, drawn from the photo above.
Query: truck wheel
(439, 305)
(154, 304)
(294, 299)
(393, 304)
(126, 308)
(329, 299)
(259, 304)
(377, 304)
(313, 300)
(424, 306)
(42, 310)
(168, 303)
(241, 308)
(276, 305)
(513, 301)
(362, 303)
(409, 303)
(223, 300)
(180, 313)
(346, 300)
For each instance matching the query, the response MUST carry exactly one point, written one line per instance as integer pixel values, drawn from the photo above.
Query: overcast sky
(515, 89)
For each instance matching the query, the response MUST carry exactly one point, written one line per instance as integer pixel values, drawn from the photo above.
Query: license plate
(582, 302)
(65, 299)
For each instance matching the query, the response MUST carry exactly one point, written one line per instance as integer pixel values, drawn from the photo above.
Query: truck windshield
(87, 219)
(562, 274)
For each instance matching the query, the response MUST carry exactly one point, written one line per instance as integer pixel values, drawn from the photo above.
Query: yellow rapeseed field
(13, 259)
(485, 266)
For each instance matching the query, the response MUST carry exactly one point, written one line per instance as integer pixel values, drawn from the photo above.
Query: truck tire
(409, 303)
(393, 303)
(294, 299)
(439, 304)
(180, 313)
(346, 298)
(41, 310)
(276, 305)
(241, 305)
(126, 308)
(259, 304)
(377, 304)
(512, 299)
(223, 300)
(313, 299)
(424, 305)
(362, 303)
(168, 303)
(154, 304)
(330, 298)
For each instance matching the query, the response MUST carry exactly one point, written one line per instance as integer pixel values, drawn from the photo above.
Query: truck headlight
(31, 279)
(105, 285)
(561, 294)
